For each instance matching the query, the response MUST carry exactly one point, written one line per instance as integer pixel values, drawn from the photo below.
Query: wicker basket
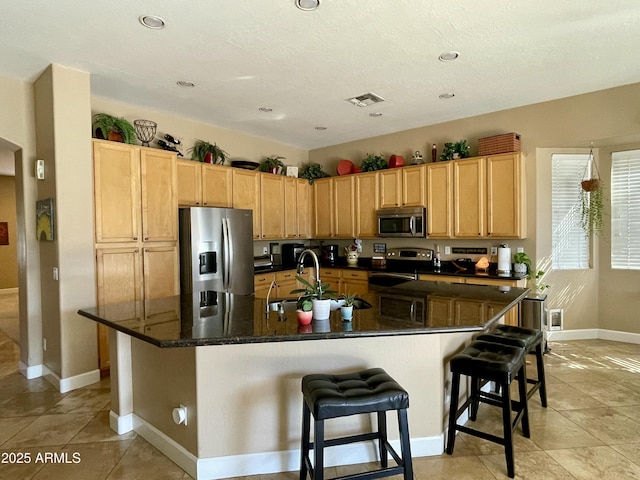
(505, 143)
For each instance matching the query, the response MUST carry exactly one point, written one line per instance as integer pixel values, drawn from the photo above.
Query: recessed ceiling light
(447, 95)
(185, 84)
(151, 21)
(375, 114)
(307, 5)
(448, 56)
(265, 109)
(321, 128)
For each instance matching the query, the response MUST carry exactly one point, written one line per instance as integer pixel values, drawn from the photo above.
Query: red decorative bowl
(345, 167)
(396, 161)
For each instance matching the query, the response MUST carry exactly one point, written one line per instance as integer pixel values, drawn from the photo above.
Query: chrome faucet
(315, 263)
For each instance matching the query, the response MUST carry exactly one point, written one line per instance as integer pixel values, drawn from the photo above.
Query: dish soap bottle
(436, 259)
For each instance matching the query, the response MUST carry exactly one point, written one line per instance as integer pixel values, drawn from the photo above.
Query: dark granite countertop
(412, 308)
(448, 269)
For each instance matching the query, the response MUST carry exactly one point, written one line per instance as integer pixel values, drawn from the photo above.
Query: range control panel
(421, 254)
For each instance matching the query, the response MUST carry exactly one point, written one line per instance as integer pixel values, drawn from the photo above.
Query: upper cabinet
(344, 206)
(367, 196)
(323, 206)
(135, 193)
(439, 200)
(272, 218)
(246, 194)
(402, 187)
(488, 197)
(204, 184)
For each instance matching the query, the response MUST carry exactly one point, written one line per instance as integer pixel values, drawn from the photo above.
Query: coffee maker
(290, 254)
(329, 253)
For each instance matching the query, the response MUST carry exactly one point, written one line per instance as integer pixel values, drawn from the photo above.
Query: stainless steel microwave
(402, 222)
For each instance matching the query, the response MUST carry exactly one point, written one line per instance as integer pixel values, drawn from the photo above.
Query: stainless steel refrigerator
(216, 250)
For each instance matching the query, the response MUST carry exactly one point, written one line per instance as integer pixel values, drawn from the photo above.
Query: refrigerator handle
(228, 254)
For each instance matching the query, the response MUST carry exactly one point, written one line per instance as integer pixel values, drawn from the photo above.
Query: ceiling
(246, 54)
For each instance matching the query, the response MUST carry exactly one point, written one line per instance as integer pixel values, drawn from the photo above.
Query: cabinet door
(117, 192)
(343, 206)
(413, 186)
(304, 208)
(469, 312)
(323, 201)
(161, 271)
(217, 186)
(390, 188)
(272, 205)
(262, 283)
(439, 200)
(367, 200)
(246, 194)
(355, 281)
(505, 215)
(119, 279)
(290, 207)
(158, 173)
(285, 282)
(469, 199)
(439, 311)
(189, 183)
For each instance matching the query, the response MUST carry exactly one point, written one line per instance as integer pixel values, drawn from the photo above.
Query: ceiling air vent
(365, 99)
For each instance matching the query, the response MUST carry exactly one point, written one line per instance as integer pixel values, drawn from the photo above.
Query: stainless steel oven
(402, 222)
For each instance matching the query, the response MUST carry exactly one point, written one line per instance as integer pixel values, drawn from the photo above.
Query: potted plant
(304, 310)
(453, 150)
(346, 310)
(272, 164)
(312, 171)
(522, 262)
(591, 199)
(320, 296)
(113, 128)
(373, 162)
(208, 153)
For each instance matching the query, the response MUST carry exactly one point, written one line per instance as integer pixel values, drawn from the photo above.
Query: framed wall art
(45, 219)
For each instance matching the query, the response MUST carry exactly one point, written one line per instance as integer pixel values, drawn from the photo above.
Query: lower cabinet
(132, 273)
(283, 282)
(346, 280)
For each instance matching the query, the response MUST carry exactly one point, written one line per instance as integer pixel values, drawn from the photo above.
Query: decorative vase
(520, 267)
(347, 312)
(321, 309)
(304, 318)
(208, 157)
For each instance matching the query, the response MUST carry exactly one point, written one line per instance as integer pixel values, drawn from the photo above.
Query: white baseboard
(34, 371)
(271, 462)
(65, 385)
(120, 424)
(591, 334)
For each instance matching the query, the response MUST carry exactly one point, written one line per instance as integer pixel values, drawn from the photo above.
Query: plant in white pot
(346, 310)
(320, 296)
(522, 264)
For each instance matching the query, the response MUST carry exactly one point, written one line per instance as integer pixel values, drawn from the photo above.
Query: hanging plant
(591, 198)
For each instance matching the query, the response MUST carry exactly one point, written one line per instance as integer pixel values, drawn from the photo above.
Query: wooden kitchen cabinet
(297, 208)
(285, 282)
(367, 200)
(135, 193)
(413, 186)
(346, 280)
(246, 194)
(161, 270)
(323, 206)
(262, 282)
(390, 188)
(272, 218)
(204, 184)
(505, 196)
(344, 206)
(464, 309)
(469, 198)
(439, 196)
(304, 208)
(439, 311)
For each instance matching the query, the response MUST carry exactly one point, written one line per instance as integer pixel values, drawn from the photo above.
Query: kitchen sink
(290, 305)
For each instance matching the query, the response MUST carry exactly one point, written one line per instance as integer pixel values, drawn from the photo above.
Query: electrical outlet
(520, 250)
(447, 250)
(44, 344)
(265, 251)
(494, 250)
(55, 273)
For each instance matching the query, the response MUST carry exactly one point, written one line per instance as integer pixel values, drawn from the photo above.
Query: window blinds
(569, 242)
(625, 210)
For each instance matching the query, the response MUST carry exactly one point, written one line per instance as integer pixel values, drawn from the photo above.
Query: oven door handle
(412, 225)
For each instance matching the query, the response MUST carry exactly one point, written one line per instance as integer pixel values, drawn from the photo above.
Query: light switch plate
(447, 250)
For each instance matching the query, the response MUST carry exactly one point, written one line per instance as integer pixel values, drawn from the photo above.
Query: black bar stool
(531, 341)
(497, 363)
(367, 391)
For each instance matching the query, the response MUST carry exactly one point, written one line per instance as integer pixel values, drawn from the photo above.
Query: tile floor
(591, 429)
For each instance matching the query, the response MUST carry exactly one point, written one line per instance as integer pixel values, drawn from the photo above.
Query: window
(625, 210)
(570, 244)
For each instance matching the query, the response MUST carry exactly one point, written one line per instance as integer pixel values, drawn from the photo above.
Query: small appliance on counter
(263, 262)
(329, 253)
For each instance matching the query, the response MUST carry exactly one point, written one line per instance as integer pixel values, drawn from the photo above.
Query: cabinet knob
(135, 238)
(146, 239)
(136, 251)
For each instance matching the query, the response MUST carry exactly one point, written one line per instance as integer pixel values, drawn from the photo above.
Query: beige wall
(608, 117)
(8, 253)
(63, 112)
(17, 134)
(238, 145)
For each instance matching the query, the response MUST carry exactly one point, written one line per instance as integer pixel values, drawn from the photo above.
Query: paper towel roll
(504, 259)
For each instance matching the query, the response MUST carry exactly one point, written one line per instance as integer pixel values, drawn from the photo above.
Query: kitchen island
(237, 370)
